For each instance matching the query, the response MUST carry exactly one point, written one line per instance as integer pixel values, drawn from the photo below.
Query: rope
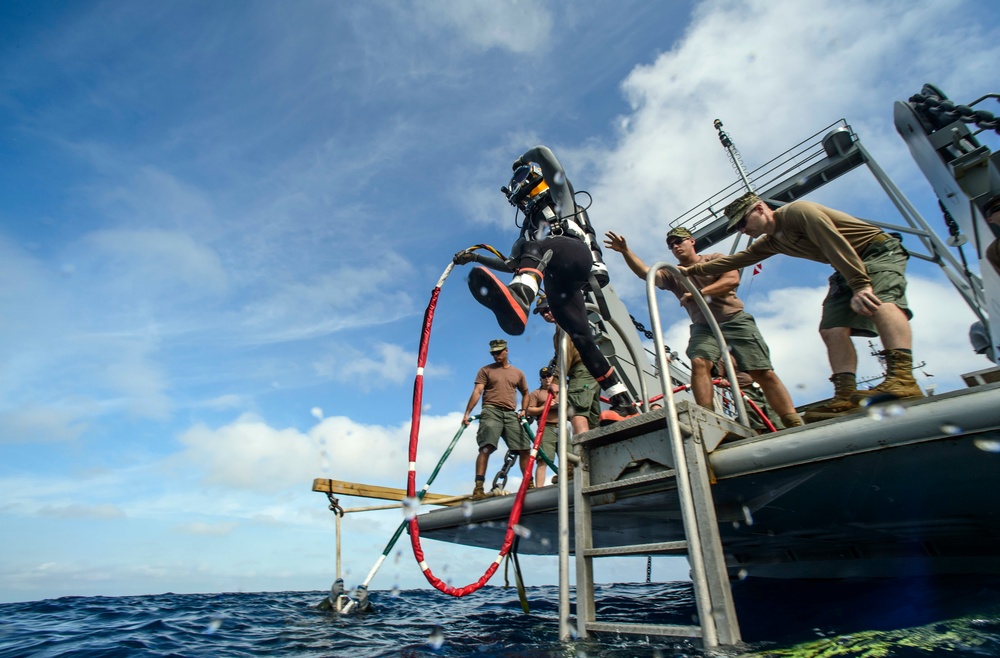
(414, 525)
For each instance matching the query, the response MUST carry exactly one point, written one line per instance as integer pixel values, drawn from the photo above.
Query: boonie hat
(679, 232)
(497, 345)
(736, 210)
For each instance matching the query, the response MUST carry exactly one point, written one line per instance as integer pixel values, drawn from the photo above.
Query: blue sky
(220, 224)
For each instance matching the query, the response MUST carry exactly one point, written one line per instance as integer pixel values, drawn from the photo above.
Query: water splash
(436, 639)
(410, 506)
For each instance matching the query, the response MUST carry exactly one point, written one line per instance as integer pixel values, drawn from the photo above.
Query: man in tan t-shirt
(747, 346)
(498, 383)
(867, 295)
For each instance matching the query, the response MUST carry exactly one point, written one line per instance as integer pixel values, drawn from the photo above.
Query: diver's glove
(463, 257)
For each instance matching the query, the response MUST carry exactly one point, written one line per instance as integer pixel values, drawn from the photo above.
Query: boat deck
(909, 488)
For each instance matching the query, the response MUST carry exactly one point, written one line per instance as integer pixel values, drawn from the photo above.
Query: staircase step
(645, 629)
(618, 485)
(637, 549)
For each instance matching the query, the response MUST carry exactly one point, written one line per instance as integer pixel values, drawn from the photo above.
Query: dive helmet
(526, 187)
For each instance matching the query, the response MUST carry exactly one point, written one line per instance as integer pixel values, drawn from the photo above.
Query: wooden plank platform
(344, 488)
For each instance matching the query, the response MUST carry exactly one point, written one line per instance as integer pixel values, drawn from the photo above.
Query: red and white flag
(757, 269)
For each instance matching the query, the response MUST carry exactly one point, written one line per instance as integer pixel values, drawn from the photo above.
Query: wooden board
(343, 488)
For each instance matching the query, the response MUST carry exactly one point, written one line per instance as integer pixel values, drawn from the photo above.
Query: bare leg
(840, 349)
(893, 327)
(774, 391)
(540, 473)
(701, 383)
(483, 459)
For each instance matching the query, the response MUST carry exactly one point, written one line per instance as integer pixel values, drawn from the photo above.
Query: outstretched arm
(616, 242)
(490, 261)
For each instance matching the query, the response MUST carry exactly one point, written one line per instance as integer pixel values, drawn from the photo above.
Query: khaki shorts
(495, 422)
(886, 265)
(743, 337)
(583, 394)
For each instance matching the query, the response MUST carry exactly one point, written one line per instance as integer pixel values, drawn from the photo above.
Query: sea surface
(958, 618)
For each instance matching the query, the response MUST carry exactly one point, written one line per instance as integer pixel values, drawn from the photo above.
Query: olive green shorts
(583, 395)
(743, 337)
(886, 265)
(550, 441)
(495, 422)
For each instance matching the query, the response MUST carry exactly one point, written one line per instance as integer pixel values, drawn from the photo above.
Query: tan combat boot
(792, 420)
(844, 386)
(899, 381)
(478, 493)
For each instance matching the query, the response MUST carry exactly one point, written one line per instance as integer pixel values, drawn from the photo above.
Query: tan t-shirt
(537, 398)
(500, 385)
(723, 307)
(808, 230)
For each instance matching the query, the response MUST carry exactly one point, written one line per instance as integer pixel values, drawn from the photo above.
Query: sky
(220, 224)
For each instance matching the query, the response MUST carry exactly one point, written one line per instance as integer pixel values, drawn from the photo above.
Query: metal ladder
(608, 475)
(676, 442)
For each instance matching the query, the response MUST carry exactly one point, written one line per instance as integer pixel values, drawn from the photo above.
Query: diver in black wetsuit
(557, 245)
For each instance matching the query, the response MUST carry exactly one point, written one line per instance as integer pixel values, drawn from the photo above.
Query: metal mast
(734, 155)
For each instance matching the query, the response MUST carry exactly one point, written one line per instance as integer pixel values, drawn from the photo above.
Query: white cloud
(772, 86)
(152, 262)
(207, 529)
(251, 455)
(520, 26)
(382, 365)
(78, 511)
(40, 424)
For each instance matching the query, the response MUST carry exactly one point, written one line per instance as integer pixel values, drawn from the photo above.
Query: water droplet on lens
(545, 541)
(951, 429)
(410, 507)
(747, 517)
(436, 639)
(213, 626)
(987, 445)
(559, 178)
(742, 574)
(483, 291)
(708, 299)
(317, 413)
(522, 532)
(395, 591)
(467, 509)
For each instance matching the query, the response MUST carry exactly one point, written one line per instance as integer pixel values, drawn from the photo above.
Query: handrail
(562, 447)
(710, 631)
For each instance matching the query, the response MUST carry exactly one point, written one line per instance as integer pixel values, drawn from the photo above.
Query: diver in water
(557, 246)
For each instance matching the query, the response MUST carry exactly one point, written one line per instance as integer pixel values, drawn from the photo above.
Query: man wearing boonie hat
(497, 383)
(747, 346)
(866, 297)
(991, 212)
(536, 403)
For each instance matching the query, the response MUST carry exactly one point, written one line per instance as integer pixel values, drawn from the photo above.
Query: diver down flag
(757, 269)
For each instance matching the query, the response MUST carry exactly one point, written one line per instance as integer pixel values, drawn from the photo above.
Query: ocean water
(959, 618)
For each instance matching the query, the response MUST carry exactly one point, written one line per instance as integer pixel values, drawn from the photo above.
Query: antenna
(734, 155)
